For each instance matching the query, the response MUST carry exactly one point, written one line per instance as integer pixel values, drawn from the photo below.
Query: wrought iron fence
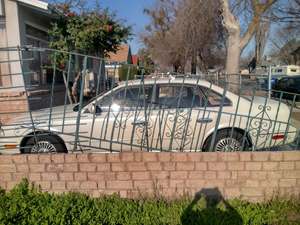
(76, 102)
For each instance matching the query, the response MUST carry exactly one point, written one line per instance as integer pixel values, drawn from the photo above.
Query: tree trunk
(233, 61)
(194, 64)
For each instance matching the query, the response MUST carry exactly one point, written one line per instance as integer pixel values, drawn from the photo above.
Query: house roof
(135, 60)
(123, 55)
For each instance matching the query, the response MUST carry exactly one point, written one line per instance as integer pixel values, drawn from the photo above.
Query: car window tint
(130, 97)
(173, 96)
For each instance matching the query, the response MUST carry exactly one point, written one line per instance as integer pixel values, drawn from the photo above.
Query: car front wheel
(44, 143)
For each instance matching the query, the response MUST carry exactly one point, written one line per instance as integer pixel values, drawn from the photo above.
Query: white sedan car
(155, 115)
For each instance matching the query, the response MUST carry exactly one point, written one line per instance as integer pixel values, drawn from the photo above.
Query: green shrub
(127, 72)
(26, 204)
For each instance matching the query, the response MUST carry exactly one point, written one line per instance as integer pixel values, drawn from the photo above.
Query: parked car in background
(178, 114)
(289, 86)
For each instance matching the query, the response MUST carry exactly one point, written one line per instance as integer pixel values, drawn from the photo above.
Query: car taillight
(278, 136)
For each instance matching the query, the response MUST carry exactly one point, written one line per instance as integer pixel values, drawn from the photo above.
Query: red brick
(195, 175)
(200, 166)
(287, 183)
(194, 156)
(154, 166)
(252, 183)
(197, 183)
(291, 174)
(232, 193)
(160, 175)
(70, 167)
(123, 176)
(80, 176)
(287, 165)
(10, 168)
(138, 166)
(70, 158)
(274, 174)
(164, 156)
(34, 176)
(215, 183)
(5, 177)
(119, 185)
(37, 167)
(243, 174)
(55, 167)
(88, 167)
(235, 165)
(140, 175)
(44, 185)
(44, 158)
(98, 176)
(72, 185)
(210, 174)
(297, 165)
(98, 158)
(276, 156)
(210, 156)
(58, 158)
(259, 175)
(228, 156)
(33, 158)
(178, 175)
(253, 165)
(58, 185)
(270, 165)
(260, 156)
(109, 175)
(223, 174)
(177, 183)
(169, 166)
(11, 184)
(252, 192)
(269, 183)
(49, 176)
(179, 157)
(101, 184)
(143, 184)
(185, 166)
(83, 158)
(149, 157)
(220, 166)
(6, 159)
(138, 156)
(245, 156)
(19, 176)
(127, 157)
(113, 157)
(66, 176)
(19, 159)
(22, 167)
(88, 185)
(291, 156)
(118, 167)
(103, 167)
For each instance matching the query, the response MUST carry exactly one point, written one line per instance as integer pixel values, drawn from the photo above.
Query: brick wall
(249, 175)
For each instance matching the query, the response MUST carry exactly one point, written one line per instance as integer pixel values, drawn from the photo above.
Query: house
(115, 60)
(22, 22)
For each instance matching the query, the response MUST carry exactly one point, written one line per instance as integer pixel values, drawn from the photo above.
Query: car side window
(178, 96)
(214, 99)
(128, 98)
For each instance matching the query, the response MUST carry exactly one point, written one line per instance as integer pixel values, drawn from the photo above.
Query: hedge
(26, 204)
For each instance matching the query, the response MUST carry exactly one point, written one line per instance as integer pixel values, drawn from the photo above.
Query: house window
(2, 8)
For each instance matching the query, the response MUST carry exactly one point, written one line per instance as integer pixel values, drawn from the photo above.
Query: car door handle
(139, 122)
(204, 120)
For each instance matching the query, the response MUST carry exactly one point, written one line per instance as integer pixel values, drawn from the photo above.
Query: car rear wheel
(228, 141)
(44, 144)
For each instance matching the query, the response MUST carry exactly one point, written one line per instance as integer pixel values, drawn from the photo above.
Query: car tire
(227, 141)
(44, 143)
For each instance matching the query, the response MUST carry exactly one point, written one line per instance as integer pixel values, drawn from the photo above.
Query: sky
(132, 12)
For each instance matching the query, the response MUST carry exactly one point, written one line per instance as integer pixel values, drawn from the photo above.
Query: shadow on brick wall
(209, 207)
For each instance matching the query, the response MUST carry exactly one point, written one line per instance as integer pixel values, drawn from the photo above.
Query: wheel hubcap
(43, 146)
(228, 145)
